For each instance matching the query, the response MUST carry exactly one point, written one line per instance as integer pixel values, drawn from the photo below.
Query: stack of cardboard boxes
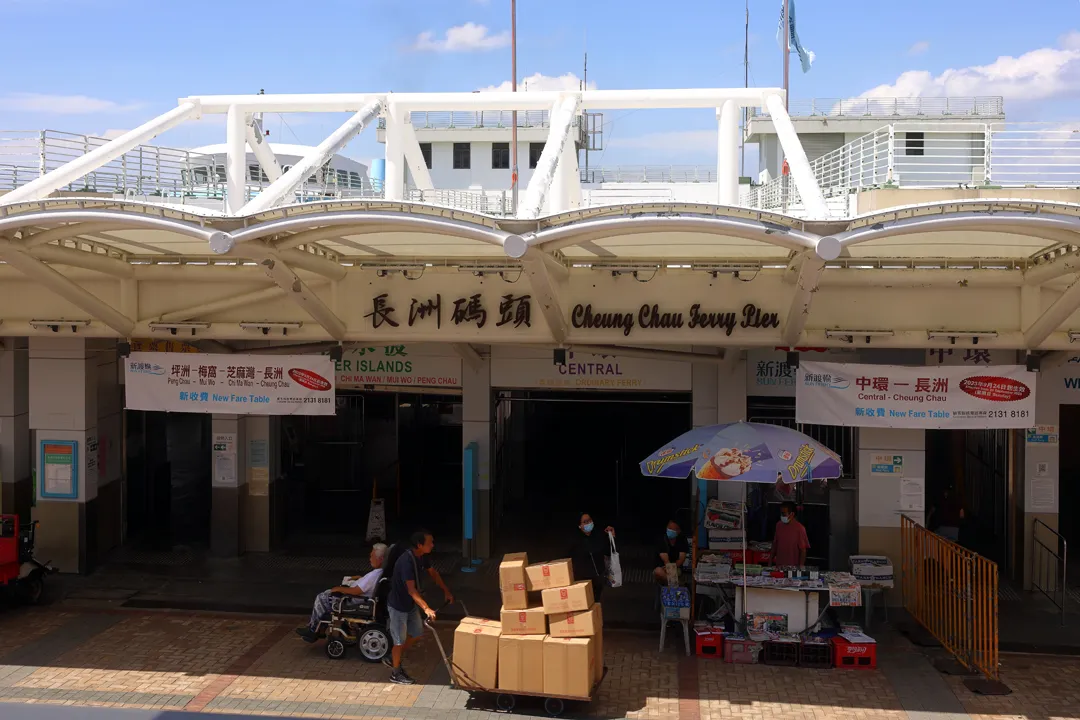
(548, 639)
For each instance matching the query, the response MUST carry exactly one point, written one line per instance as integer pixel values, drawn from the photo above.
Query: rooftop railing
(979, 106)
(475, 120)
(650, 173)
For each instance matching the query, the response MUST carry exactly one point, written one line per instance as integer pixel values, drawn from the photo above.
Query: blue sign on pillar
(468, 489)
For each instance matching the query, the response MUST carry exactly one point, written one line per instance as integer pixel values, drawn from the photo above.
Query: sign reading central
(650, 317)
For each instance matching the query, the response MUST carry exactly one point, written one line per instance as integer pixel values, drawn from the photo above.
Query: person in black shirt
(405, 602)
(588, 552)
(672, 549)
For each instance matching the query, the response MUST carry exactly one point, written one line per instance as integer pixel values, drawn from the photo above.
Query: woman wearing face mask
(588, 552)
(673, 549)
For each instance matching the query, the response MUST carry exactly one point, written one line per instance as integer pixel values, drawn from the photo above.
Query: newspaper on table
(723, 515)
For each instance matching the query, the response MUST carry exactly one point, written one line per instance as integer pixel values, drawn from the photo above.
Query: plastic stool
(663, 632)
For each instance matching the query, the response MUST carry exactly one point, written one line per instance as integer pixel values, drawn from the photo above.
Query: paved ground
(57, 661)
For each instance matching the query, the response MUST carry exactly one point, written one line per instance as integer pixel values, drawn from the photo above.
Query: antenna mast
(746, 84)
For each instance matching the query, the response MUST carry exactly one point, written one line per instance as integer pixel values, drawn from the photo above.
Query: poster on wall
(894, 396)
(234, 384)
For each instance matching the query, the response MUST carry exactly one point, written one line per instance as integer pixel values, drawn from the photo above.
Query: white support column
(731, 407)
(1049, 321)
(235, 160)
(297, 291)
(566, 185)
(63, 404)
(110, 447)
(15, 484)
(544, 281)
(727, 154)
(812, 199)
(414, 158)
(476, 428)
(704, 389)
(66, 288)
(261, 451)
(394, 180)
(810, 269)
(256, 140)
(283, 187)
(80, 166)
(562, 122)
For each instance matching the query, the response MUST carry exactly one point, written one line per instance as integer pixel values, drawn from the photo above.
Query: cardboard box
(598, 655)
(516, 556)
(576, 598)
(476, 654)
(530, 621)
(569, 666)
(481, 621)
(555, 574)
(515, 598)
(576, 624)
(521, 663)
(511, 573)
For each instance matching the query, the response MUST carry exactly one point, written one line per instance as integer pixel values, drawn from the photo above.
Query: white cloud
(919, 48)
(62, 104)
(1036, 75)
(113, 133)
(539, 82)
(469, 37)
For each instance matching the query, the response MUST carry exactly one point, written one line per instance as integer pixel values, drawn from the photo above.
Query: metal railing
(485, 202)
(990, 105)
(925, 155)
(1048, 565)
(953, 593)
(650, 173)
(467, 120)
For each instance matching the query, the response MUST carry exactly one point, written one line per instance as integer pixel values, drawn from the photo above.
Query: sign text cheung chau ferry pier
(926, 289)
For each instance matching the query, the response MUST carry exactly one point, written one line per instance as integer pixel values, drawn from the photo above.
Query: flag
(806, 57)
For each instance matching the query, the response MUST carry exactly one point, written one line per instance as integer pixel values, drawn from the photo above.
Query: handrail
(1039, 582)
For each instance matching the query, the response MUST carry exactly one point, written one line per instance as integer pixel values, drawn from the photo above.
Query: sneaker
(307, 634)
(400, 677)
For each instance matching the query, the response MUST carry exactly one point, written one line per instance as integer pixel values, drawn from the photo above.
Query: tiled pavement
(255, 665)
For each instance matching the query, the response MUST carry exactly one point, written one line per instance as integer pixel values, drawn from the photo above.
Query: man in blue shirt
(405, 602)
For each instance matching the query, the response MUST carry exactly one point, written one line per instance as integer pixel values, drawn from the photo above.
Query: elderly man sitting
(357, 586)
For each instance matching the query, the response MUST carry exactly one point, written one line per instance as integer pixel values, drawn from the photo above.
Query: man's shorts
(404, 625)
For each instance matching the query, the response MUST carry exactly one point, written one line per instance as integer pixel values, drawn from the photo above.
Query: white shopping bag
(614, 568)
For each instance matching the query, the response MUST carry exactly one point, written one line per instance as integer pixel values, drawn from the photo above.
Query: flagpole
(746, 84)
(513, 115)
(787, 52)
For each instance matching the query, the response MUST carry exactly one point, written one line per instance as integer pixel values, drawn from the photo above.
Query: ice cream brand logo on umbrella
(799, 468)
(669, 456)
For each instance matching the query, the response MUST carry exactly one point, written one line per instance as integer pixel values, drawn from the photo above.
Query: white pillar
(110, 442)
(731, 407)
(64, 410)
(566, 185)
(15, 485)
(727, 154)
(262, 464)
(229, 478)
(476, 428)
(394, 182)
(235, 159)
(704, 384)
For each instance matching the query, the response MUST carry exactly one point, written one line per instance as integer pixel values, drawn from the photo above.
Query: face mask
(785, 519)
(587, 527)
(672, 534)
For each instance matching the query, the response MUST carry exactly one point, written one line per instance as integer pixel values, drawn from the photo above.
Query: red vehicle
(21, 575)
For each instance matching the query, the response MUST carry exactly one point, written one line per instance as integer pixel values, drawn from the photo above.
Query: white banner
(233, 384)
(915, 397)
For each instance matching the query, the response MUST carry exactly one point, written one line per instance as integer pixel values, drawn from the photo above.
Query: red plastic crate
(710, 644)
(851, 656)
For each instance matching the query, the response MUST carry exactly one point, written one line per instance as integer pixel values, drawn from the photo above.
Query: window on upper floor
(914, 143)
(500, 156)
(462, 156)
(535, 151)
(425, 150)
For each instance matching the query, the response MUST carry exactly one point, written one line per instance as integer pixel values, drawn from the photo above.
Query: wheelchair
(358, 622)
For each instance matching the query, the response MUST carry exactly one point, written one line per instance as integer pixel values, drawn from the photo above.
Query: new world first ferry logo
(830, 381)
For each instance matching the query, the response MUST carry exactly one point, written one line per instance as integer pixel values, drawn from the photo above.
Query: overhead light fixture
(55, 325)
(174, 328)
(952, 335)
(1074, 335)
(849, 336)
(266, 327)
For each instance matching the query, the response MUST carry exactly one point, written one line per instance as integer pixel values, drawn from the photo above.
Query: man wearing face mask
(588, 553)
(673, 549)
(790, 543)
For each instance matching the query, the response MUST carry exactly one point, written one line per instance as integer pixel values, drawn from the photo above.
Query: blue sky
(95, 66)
